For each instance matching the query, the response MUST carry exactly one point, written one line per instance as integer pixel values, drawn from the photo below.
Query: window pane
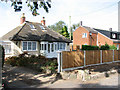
(24, 45)
(57, 46)
(32, 26)
(7, 49)
(40, 46)
(52, 48)
(61, 46)
(33, 45)
(29, 46)
(45, 46)
(48, 48)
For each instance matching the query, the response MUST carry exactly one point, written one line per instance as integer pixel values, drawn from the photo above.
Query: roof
(25, 33)
(104, 32)
(90, 29)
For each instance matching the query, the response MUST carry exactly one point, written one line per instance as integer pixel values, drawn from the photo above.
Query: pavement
(20, 77)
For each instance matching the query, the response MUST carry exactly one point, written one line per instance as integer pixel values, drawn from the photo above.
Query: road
(109, 82)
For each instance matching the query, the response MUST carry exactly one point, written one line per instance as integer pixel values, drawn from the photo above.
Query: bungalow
(34, 38)
(90, 36)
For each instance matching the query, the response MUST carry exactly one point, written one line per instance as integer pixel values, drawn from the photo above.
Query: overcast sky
(102, 14)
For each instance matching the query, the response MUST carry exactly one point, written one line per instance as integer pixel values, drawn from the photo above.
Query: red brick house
(96, 37)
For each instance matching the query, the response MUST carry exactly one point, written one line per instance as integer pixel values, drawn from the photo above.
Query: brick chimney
(110, 29)
(43, 21)
(81, 23)
(22, 19)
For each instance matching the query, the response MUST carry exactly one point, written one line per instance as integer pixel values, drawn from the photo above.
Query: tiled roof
(25, 33)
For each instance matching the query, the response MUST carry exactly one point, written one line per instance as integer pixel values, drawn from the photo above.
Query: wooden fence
(68, 60)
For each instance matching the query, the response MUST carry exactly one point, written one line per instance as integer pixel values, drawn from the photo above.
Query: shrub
(89, 47)
(105, 47)
(39, 63)
(113, 47)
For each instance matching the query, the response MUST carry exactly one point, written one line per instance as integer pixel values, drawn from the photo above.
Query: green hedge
(103, 47)
(89, 47)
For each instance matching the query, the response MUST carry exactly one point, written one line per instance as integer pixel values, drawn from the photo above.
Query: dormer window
(42, 27)
(119, 36)
(114, 35)
(32, 27)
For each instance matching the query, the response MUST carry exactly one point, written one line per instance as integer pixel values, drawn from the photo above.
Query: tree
(57, 26)
(33, 6)
(65, 32)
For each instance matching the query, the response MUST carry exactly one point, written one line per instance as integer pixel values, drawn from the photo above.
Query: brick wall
(93, 39)
(77, 37)
(102, 40)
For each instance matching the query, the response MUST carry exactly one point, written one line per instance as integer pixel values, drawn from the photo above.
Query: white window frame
(32, 27)
(114, 35)
(43, 28)
(84, 35)
(31, 45)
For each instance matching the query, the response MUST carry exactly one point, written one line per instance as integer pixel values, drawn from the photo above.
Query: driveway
(20, 77)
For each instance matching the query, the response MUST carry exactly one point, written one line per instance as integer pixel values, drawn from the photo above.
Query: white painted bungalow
(34, 38)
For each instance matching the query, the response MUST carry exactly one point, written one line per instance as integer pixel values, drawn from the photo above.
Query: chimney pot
(22, 19)
(81, 23)
(43, 21)
(110, 29)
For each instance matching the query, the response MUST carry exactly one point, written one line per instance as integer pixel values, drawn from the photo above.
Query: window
(117, 47)
(64, 46)
(34, 46)
(42, 27)
(24, 45)
(84, 35)
(61, 46)
(52, 48)
(29, 46)
(48, 48)
(45, 46)
(32, 26)
(7, 48)
(118, 36)
(57, 46)
(42, 46)
(114, 35)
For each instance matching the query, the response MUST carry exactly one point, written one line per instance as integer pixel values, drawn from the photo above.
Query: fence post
(84, 58)
(113, 55)
(58, 60)
(101, 56)
(61, 61)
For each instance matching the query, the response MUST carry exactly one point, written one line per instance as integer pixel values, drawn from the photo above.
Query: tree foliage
(65, 32)
(61, 28)
(57, 26)
(33, 6)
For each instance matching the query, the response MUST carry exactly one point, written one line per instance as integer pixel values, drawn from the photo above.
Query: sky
(101, 14)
